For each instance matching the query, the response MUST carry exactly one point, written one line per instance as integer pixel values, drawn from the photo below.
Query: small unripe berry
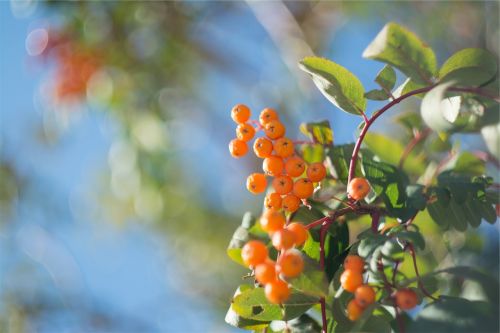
(283, 147)
(290, 203)
(274, 129)
(282, 185)
(364, 295)
(265, 272)
(295, 166)
(262, 147)
(354, 263)
(300, 232)
(350, 280)
(240, 113)
(283, 239)
(277, 291)
(272, 221)
(273, 201)
(253, 253)
(267, 115)
(354, 311)
(358, 188)
(290, 263)
(316, 172)
(303, 188)
(406, 299)
(238, 148)
(256, 183)
(273, 165)
(245, 132)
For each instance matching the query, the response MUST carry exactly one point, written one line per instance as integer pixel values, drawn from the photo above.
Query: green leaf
(407, 86)
(467, 163)
(336, 248)
(232, 318)
(438, 112)
(337, 84)
(377, 95)
(471, 67)
(312, 153)
(386, 78)
(413, 237)
(400, 48)
(253, 304)
(369, 243)
(416, 198)
(340, 157)
(303, 324)
(312, 281)
(240, 237)
(319, 132)
(410, 120)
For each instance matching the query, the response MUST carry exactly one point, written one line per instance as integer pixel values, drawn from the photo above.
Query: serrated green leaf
(337, 84)
(233, 319)
(319, 132)
(412, 236)
(400, 48)
(416, 198)
(377, 95)
(371, 242)
(312, 281)
(386, 78)
(340, 157)
(471, 67)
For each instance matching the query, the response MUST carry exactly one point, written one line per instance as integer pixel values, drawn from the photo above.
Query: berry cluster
(289, 263)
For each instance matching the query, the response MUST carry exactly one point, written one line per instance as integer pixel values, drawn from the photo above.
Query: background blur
(117, 192)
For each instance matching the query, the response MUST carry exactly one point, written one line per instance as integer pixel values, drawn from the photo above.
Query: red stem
(322, 235)
(420, 136)
(476, 91)
(420, 284)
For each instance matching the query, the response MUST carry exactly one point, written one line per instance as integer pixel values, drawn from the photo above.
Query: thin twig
(420, 284)
(419, 137)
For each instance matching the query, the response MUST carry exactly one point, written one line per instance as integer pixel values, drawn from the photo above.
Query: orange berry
(290, 203)
(303, 188)
(283, 239)
(300, 232)
(350, 280)
(245, 132)
(273, 165)
(267, 115)
(277, 291)
(354, 311)
(290, 263)
(283, 147)
(240, 113)
(238, 148)
(354, 263)
(273, 201)
(262, 147)
(358, 188)
(253, 253)
(316, 172)
(364, 295)
(265, 272)
(272, 221)
(282, 185)
(274, 129)
(406, 299)
(295, 166)
(256, 183)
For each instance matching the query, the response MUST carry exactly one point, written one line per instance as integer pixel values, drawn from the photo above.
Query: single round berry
(282, 185)
(272, 221)
(303, 188)
(283, 147)
(240, 113)
(295, 166)
(364, 295)
(262, 147)
(354, 263)
(274, 129)
(238, 148)
(290, 203)
(245, 132)
(350, 280)
(253, 253)
(283, 239)
(267, 115)
(273, 165)
(300, 232)
(290, 263)
(273, 201)
(358, 188)
(265, 272)
(277, 291)
(256, 183)
(406, 299)
(354, 311)
(316, 172)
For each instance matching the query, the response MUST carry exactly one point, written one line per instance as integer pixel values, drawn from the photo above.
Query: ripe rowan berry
(283, 239)
(283, 147)
(256, 183)
(290, 203)
(273, 165)
(277, 291)
(272, 221)
(274, 129)
(267, 115)
(253, 253)
(282, 184)
(358, 188)
(265, 272)
(245, 132)
(303, 188)
(406, 299)
(273, 201)
(316, 172)
(238, 148)
(262, 147)
(354, 263)
(350, 280)
(240, 113)
(295, 166)
(354, 311)
(364, 295)
(300, 232)
(290, 263)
